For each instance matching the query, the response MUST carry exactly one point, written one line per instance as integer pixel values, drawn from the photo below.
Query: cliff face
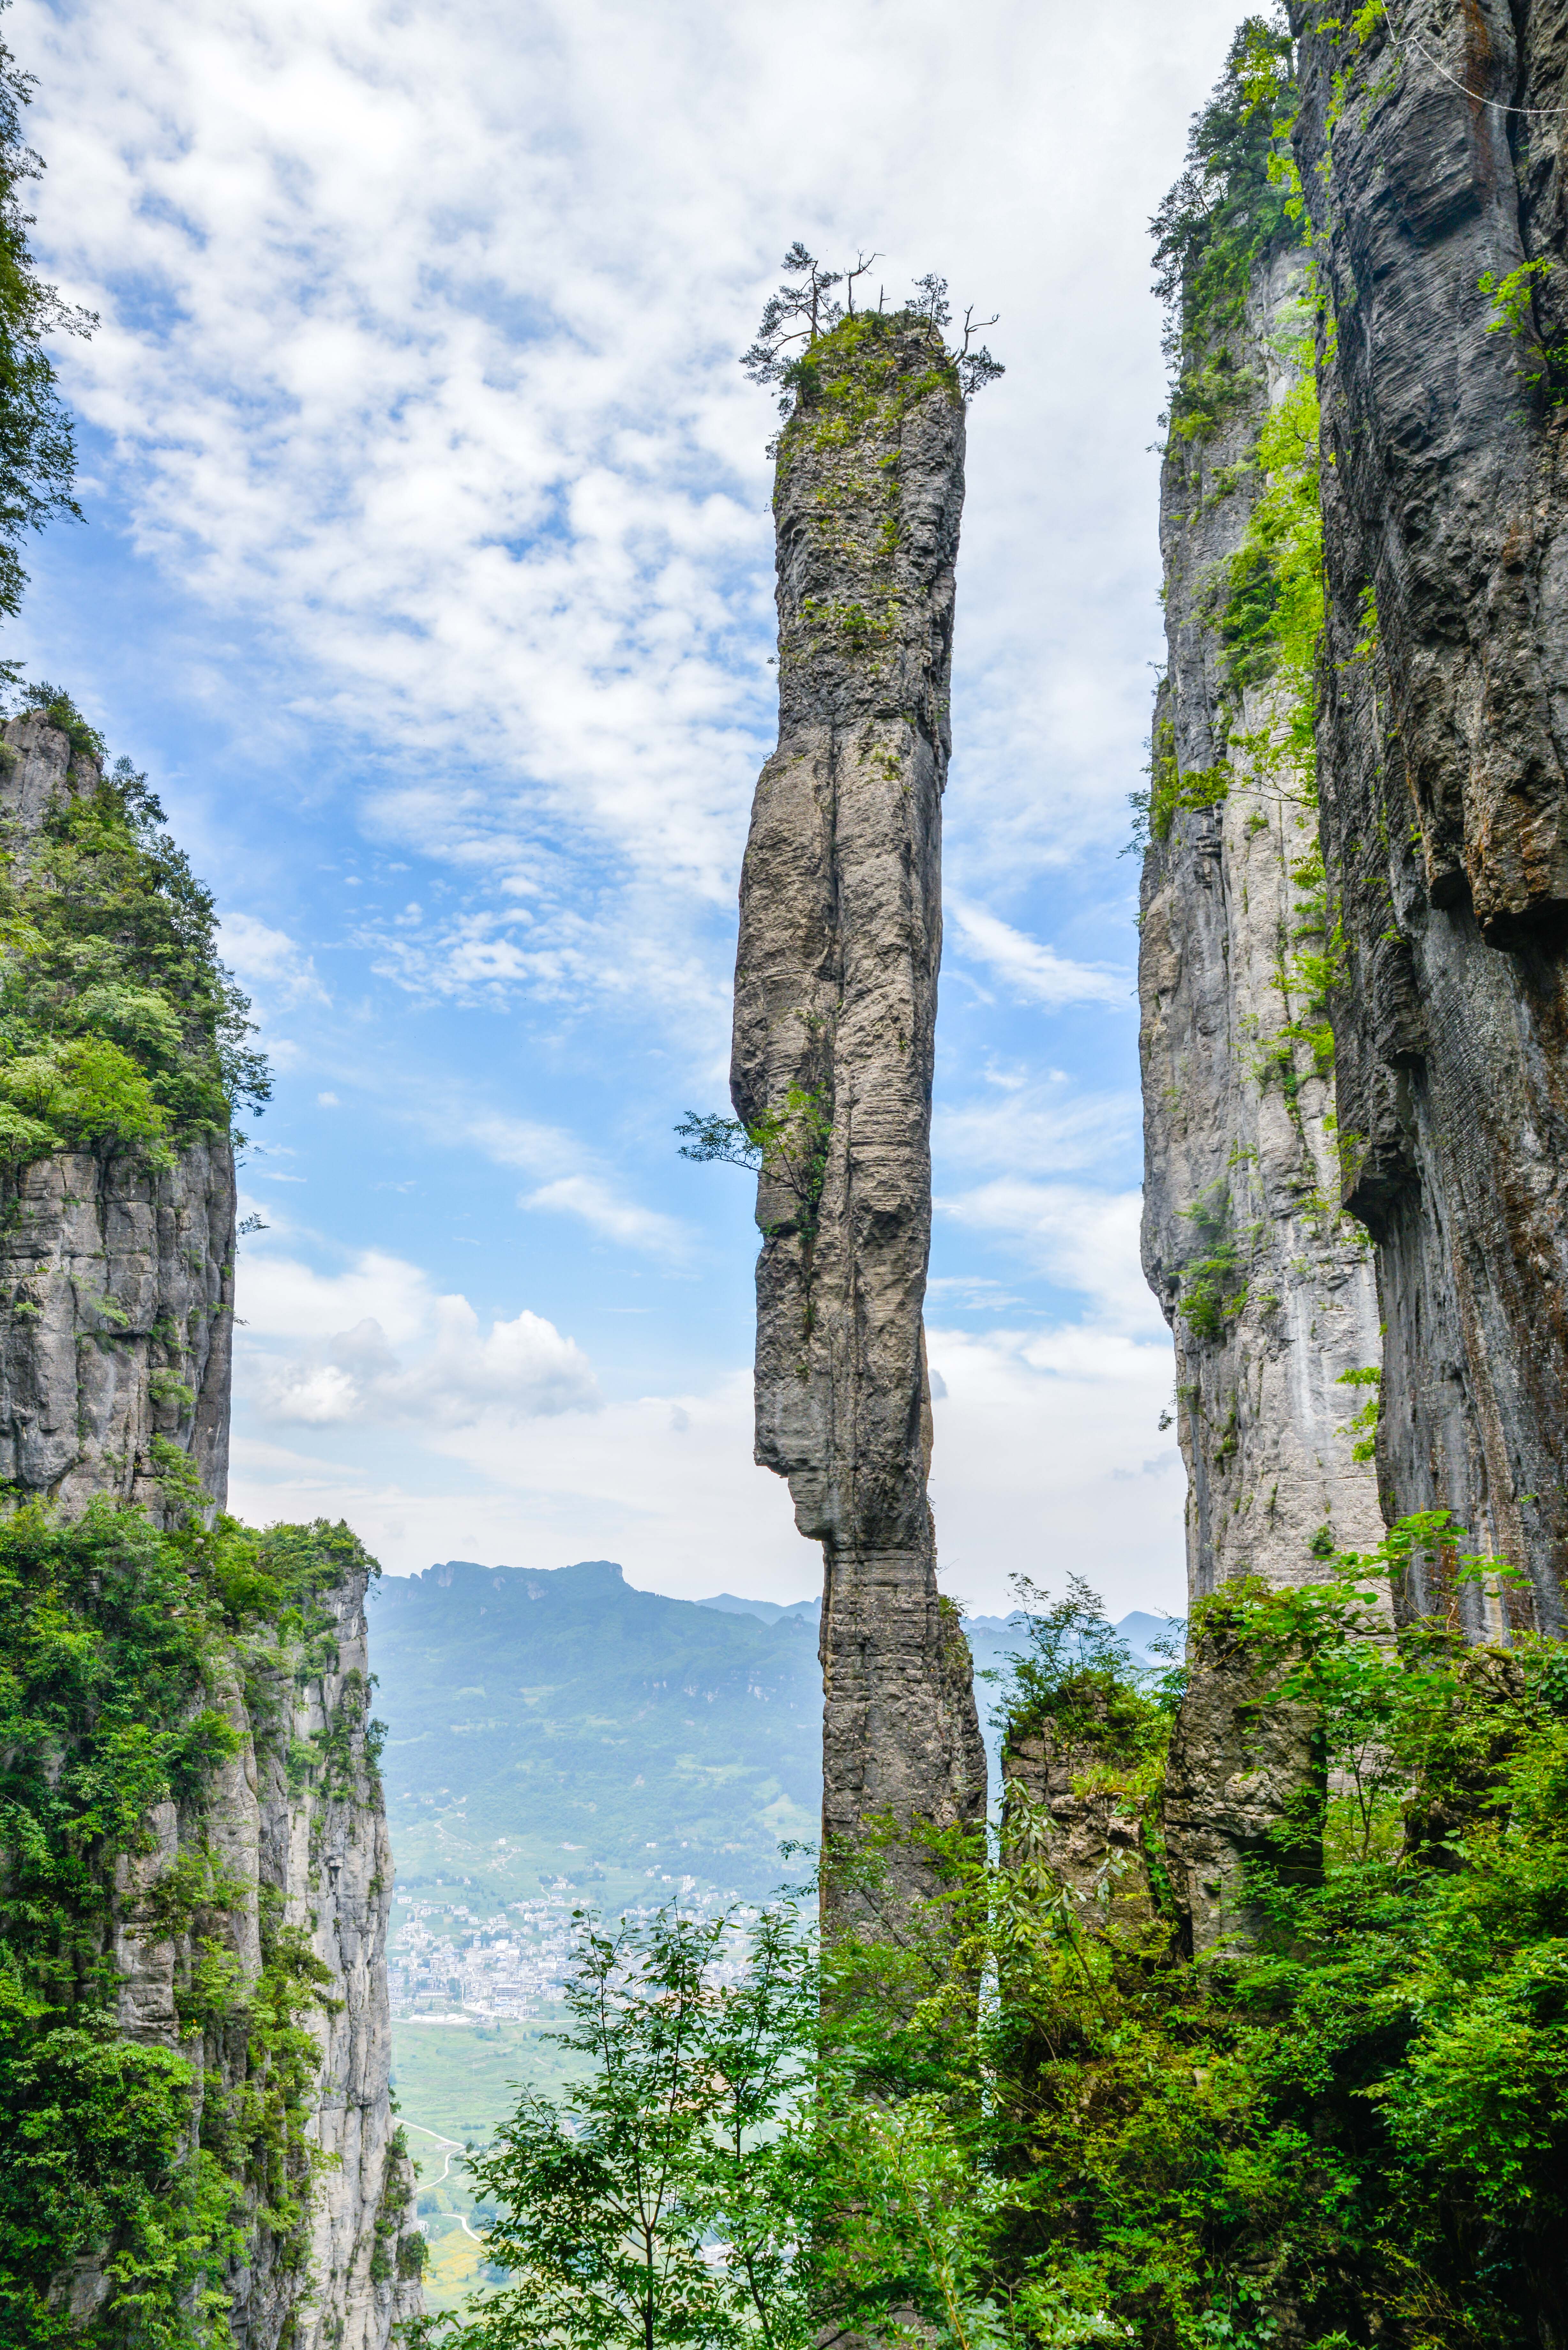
(294, 1822)
(835, 990)
(1268, 1287)
(1429, 161)
(1266, 1284)
(117, 1327)
(244, 1918)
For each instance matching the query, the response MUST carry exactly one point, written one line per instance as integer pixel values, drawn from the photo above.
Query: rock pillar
(836, 998)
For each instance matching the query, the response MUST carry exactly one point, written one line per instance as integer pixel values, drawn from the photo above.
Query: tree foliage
(660, 2203)
(121, 1649)
(1234, 200)
(37, 448)
(804, 310)
(1354, 2133)
(787, 1147)
(119, 1027)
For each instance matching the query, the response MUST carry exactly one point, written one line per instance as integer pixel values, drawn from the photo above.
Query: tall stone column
(836, 998)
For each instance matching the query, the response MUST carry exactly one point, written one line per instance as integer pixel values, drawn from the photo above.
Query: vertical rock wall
(836, 992)
(293, 1819)
(1431, 154)
(116, 1332)
(117, 1283)
(1268, 1287)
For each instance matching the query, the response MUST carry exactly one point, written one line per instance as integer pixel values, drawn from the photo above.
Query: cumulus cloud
(408, 360)
(264, 957)
(665, 1483)
(602, 1209)
(1035, 973)
(384, 1349)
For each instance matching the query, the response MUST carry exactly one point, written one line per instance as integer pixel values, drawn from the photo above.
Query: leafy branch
(805, 309)
(788, 1146)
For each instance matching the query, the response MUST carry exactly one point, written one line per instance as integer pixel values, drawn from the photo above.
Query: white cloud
(380, 1348)
(1037, 974)
(1034, 1126)
(1080, 1239)
(418, 356)
(263, 957)
(1034, 1441)
(600, 1208)
(573, 1188)
(665, 1483)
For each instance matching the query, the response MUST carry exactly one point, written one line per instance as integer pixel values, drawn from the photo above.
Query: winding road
(452, 2146)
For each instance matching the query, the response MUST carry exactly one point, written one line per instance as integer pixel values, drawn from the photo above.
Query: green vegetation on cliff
(130, 1663)
(120, 1028)
(37, 447)
(1231, 206)
(1345, 2126)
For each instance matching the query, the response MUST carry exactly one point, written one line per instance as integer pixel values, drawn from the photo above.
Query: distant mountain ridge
(555, 1722)
(766, 1611)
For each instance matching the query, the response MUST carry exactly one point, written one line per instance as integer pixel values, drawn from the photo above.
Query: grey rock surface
(118, 1290)
(1267, 1283)
(835, 996)
(1443, 750)
(1063, 1811)
(115, 1329)
(1245, 1784)
(1239, 1149)
(312, 1859)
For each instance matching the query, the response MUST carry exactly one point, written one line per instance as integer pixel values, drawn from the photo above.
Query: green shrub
(118, 1651)
(1025, 2122)
(119, 1029)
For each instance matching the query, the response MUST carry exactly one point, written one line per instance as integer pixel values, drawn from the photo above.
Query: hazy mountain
(766, 1611)
(557, 1724)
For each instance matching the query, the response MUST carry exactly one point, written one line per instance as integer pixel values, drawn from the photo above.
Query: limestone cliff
(240, 1912)
(836, 997)
(118, 1277)
(1268, 1287)
(1267, 1284)
(292, 1821)
(1430, 154)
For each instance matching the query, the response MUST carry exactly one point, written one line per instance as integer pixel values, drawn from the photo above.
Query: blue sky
(428, 571)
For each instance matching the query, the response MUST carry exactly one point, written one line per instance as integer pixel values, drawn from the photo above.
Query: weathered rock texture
(117, 1321)
(1243, 1784)
(1267, 1285)
(307, 1842)
(1065, 1811)
(835, 996)
(115, 1329)
(1239, 1159)
(1444, 750)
